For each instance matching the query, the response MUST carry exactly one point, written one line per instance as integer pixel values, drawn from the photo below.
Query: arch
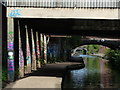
(110, 44)
(79, 50)
(84, 51)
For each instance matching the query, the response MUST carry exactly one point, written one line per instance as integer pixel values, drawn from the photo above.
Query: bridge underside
(84, 27)
(76, 21)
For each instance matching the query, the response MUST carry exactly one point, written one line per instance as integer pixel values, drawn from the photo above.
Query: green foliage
(16, 72)
(114, 57)
(4, 74)
(92, 48)
(41, 61)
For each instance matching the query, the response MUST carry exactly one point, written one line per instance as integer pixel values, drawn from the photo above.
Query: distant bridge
(107, 43)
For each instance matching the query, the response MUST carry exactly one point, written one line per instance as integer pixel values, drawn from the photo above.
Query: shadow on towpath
(54, 70)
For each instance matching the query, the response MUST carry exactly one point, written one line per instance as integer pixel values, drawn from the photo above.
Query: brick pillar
(33, 52)
(21, 57)
(28, 54)
(10, 48)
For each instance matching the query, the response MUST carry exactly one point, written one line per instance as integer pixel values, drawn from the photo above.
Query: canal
(96, 74)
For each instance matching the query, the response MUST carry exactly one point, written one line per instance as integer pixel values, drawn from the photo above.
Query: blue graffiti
(14, 13)
(28, 58)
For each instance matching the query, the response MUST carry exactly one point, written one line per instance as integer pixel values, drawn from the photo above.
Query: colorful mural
(38, 49)
(10, 46)
(11, 65)
(10, 49)
(28, 55)
(21, 57)
(37, 43)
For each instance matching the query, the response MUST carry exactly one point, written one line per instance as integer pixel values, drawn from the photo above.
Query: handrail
(64, 3)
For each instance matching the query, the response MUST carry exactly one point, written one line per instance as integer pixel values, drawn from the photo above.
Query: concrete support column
(45, 48)
(33, 52)
(38, 51)
(28, 55)
(10, 48)
(21, 57)
(41, 46)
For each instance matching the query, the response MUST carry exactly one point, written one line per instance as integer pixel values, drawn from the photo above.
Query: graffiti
(10, 55)
(10, 36)
(10, 46)
(10, 32)
(38, 49)
(28, 57)
(11, 65)
(10, 61)
(21, 59)
(14, 13)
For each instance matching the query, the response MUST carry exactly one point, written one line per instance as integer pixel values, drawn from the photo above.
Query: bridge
(27, 24)
(95, 9)
(107, 43)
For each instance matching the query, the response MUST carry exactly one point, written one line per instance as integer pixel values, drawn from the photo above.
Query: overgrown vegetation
(16, 72)
(4, 74)
(92, 48)
(114, 58)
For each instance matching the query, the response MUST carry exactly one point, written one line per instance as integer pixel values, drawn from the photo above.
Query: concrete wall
(78, 13)
(57, 49)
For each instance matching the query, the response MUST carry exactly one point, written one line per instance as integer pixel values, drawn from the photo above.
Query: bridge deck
(21, 12)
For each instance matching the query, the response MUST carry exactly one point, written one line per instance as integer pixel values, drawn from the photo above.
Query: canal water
(96, 74)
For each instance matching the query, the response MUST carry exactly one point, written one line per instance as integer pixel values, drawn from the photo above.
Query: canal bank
(49, 76)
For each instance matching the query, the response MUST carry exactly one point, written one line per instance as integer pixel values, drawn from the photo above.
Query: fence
(64, 3)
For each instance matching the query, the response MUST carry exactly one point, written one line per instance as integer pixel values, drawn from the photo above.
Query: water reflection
(96, 74)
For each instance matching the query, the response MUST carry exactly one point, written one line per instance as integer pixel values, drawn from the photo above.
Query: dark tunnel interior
(83, 27)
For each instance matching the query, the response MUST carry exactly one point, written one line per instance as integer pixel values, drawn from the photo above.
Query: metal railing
(63, 3)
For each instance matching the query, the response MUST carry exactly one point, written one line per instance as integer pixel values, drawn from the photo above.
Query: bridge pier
(38, 50)
(45, 48)
(21, 57)
(24, 49)
(28, 52)
(41, 47)
(10, 48)
(33, 52)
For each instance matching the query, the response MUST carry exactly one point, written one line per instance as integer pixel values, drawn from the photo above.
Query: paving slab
(37, 82)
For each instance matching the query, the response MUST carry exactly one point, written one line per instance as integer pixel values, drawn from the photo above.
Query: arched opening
(90, 49)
